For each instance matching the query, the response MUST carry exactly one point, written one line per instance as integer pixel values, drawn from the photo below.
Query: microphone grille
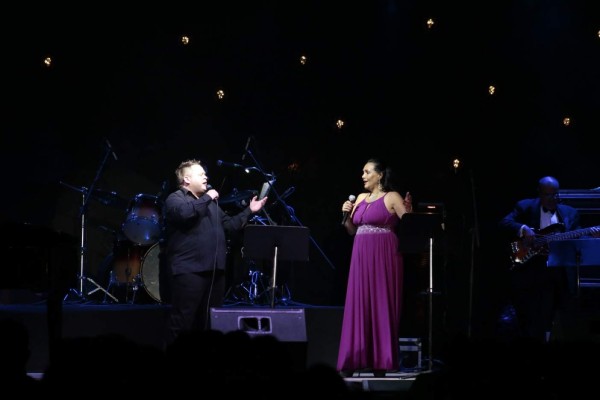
(352, 197)
(219, 163)
(209, 186)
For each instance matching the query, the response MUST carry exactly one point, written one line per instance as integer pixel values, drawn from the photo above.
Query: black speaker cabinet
(287, 325)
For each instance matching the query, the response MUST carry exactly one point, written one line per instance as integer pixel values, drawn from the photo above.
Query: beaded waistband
(372, 229)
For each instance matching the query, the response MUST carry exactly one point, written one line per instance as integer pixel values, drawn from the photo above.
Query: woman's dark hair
(380, 166)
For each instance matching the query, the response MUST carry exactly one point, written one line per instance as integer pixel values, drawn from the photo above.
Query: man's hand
(256, 205)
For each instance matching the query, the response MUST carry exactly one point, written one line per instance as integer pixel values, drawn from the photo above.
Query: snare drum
(143, 221)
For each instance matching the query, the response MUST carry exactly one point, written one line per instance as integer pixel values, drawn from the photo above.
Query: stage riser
(312, 334)
(143, 325)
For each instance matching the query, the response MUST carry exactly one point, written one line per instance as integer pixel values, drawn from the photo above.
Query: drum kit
(134, 261)
(135, 257)
(133, 267)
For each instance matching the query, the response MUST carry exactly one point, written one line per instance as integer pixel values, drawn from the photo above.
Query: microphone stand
(83, 239)
(474, 245)
(264, 209)
(268, 179)
(290, 211)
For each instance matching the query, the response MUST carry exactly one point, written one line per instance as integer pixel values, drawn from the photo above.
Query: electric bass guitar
(524, 249)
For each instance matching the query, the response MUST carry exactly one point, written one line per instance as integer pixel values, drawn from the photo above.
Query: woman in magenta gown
(370, 328)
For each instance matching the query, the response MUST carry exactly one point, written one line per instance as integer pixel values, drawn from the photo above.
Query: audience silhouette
(261, 366)
(14, 354)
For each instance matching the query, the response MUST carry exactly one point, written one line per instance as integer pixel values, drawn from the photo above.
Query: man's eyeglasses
(550, 195)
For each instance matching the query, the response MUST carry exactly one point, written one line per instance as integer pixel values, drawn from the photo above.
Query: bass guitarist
(538, 293)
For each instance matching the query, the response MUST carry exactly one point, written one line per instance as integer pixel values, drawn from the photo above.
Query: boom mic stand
(269, 178)
(289, 210)
(87, 192)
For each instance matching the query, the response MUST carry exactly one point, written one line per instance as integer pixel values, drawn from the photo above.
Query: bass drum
(150, 272)
(127, 258)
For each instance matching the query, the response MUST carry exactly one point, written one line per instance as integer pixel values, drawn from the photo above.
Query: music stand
(276, 242)
(574, 253)
(416, 233)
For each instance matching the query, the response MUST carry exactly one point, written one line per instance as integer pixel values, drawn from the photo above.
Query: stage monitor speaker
(287, 325)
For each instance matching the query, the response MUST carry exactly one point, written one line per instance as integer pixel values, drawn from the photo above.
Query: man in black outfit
(539, 292)
(196, 248)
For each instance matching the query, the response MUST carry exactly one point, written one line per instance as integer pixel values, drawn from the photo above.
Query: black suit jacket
(527, 212)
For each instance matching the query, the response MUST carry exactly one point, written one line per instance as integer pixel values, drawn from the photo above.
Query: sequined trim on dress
(363, 229)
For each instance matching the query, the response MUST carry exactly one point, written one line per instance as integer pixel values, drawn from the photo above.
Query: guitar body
(524, 249)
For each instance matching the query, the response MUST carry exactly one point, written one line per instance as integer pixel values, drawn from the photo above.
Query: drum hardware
(105, 197)
(98, 287)
(239, 197)
(87, 194)
(255, 287)
(256, 290)
(258, 219)
(131, 288)
(251, 291)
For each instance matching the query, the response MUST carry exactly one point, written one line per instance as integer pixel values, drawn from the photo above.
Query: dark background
(412, 95)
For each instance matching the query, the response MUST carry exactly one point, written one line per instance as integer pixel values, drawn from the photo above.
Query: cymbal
(109, 198)
(237, 195)
(103, 196)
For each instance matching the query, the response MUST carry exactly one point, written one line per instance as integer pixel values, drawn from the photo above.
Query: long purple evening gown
(370, 328)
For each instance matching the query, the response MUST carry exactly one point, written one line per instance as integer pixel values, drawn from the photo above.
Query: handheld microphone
(222, 163)
(209, 187)
(352, 198)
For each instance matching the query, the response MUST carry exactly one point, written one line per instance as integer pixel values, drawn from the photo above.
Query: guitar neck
(569, 235)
